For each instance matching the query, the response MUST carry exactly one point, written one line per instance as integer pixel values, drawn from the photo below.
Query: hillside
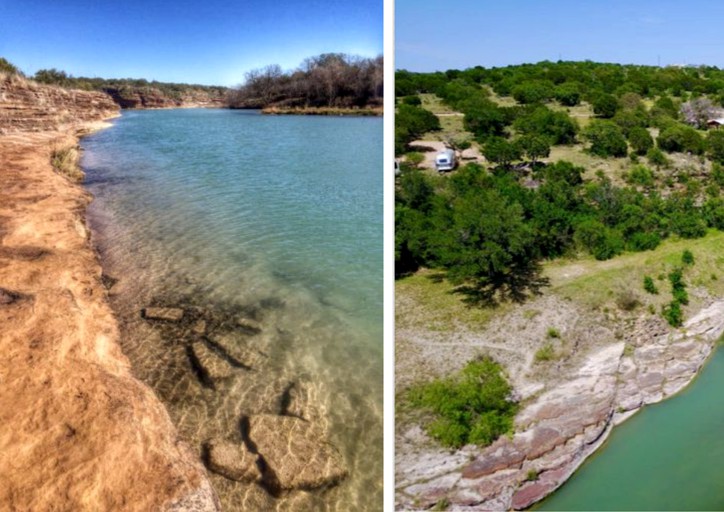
(577, 244)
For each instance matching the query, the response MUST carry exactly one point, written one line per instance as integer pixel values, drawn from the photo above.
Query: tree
(605, 105)
(715, 143)
(410, 123)
(568, 94)
(489, 249)
(640, 140)
(698, 111)
(483, 118)
(499, 151)
(606, 139)
(536, 91)
(534, 147)
(678, 137)
(557, 126)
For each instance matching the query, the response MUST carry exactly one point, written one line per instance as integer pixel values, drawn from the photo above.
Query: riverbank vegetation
(471, 407)
(328, 80)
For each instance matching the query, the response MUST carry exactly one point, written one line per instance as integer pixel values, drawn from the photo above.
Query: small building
(715, 123)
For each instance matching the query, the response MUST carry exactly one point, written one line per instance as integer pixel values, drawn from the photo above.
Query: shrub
(65, 162)
(687, 258)
(531, 475)
(678, 287)
(657, 158)
(627, 301)
(558, 127)
(412, 100)
(568, 94)
(553, 333)
(641, 175)
(414, 158)
(473, 406)
(545, 353)
(649, 286)
(7, 67)
(672, 313)
(640, 140)
(643, 241)
(536, 91)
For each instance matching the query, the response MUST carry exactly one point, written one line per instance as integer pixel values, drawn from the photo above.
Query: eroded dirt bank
(77, 430)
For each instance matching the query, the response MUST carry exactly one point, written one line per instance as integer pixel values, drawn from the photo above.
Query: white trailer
(445, 160)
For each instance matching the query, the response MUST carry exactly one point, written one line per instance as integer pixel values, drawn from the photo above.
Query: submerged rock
(211, 366)
(199, 327)
(295, 452)
(233, 461)
(237, 349)
(166, 314)
(248, 325)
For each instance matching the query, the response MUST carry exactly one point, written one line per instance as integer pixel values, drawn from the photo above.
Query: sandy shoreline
(79, 431)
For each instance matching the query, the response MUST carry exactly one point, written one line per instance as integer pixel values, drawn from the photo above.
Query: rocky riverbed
(560, 425)
(267, 437)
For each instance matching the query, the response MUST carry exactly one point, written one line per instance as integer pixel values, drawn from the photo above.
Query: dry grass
(65, 161)
(323, 111)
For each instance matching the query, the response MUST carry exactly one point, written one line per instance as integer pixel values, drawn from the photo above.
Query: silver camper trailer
(445, 160)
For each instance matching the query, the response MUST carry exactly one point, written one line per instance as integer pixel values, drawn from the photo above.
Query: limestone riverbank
(606, 369)
(77, 430)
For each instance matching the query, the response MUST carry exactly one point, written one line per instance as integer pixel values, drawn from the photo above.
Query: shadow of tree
(517, 286)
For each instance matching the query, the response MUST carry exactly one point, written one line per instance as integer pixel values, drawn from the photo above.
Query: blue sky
(434, 35)
(203, 41)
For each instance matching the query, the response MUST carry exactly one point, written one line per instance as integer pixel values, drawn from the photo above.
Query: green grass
(423, 301)
(595, 283)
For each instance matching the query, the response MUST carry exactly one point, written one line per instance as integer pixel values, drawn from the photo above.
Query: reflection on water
(238, 217)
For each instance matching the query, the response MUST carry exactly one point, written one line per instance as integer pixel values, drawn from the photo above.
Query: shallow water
(669, 456)
(233, 214)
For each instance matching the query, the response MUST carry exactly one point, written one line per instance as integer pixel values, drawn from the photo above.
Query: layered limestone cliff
(561, 423)
(77, 430)
(151, 97)
(26, 106)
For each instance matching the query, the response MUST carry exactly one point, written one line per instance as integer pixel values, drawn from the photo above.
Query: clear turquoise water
(228, 209)
(670, 456)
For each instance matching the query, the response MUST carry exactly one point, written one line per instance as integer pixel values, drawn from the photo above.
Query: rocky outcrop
(77, 430)
(559, 428)
(26, 106)
(152, 97)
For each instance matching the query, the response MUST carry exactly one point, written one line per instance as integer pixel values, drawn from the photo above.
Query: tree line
(490, 233)
(327, 80)
(124, 87)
